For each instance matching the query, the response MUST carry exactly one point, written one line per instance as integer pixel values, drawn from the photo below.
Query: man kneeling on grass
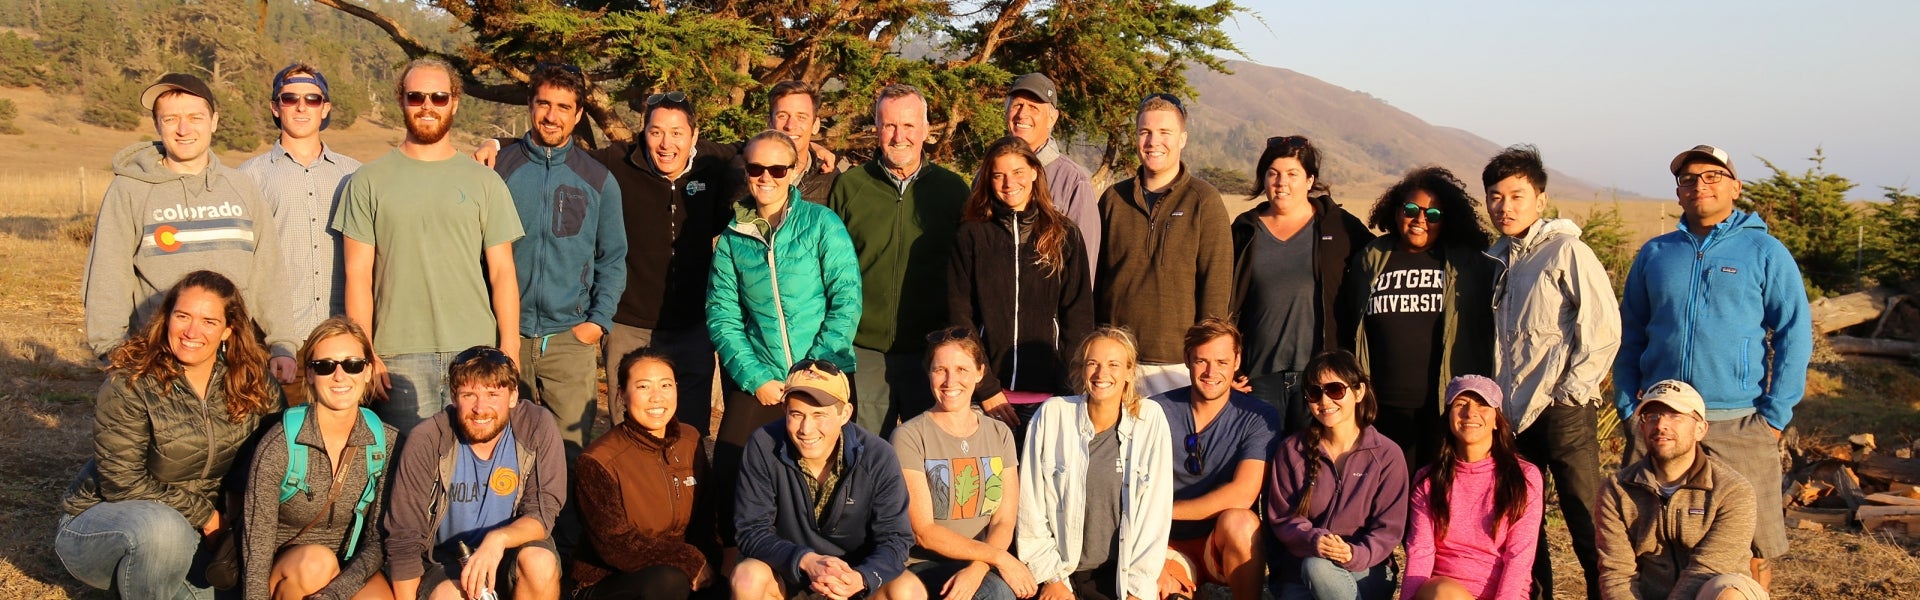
(476, 492)
(1678, 523)
(822, 505)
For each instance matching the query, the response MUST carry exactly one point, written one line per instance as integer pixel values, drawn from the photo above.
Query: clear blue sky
(1610, 91)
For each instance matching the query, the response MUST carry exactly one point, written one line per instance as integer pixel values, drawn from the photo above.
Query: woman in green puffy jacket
(786, 287)
(182, 396)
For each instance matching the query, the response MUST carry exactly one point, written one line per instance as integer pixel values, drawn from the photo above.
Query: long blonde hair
(1129, 392)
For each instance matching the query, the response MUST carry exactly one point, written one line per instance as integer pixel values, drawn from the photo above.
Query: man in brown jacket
(1677, 524)
(1166, 255)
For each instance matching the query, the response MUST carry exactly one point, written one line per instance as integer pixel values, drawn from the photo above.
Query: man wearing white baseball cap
(1675, 524)
(1719, 303)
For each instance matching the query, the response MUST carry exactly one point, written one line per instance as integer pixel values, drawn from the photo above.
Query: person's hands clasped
(1334, 548)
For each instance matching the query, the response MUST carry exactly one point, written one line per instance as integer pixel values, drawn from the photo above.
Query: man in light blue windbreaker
(1720, 304)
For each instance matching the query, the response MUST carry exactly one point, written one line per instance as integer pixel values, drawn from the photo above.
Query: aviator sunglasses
(420, 98)
(324, 366)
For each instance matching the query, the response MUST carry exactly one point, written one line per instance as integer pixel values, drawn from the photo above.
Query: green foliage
(1606, 233)
(114, 104)
(1810, 215)
(20, 61)
(1232, 183)
(9, 112)
(1890, 247)
(242, 124)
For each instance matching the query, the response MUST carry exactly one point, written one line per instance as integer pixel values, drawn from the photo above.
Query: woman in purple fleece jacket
(1336, 492)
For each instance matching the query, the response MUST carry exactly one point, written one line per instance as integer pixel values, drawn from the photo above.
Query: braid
(1310, 439)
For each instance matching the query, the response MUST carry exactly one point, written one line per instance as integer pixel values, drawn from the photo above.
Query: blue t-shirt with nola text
(483, 492)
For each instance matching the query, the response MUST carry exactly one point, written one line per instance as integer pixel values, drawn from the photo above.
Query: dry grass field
(48, 381)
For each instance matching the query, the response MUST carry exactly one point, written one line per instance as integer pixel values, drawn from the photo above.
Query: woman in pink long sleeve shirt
(1476, 538)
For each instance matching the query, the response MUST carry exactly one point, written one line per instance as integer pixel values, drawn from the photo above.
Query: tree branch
(407, 42)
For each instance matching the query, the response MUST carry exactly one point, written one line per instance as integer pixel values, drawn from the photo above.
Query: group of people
(1010, 388)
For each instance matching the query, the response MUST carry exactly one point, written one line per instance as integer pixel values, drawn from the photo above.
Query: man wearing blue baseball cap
(301, 178)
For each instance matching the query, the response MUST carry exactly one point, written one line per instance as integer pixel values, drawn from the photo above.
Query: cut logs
(1846, 344)
(1840, 312)
(1871, 490)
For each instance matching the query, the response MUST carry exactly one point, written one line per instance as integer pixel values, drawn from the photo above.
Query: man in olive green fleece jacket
(902, 213)
(1166, 256)
(1677, 524)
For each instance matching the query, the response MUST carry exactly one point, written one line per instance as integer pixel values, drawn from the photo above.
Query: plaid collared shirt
(822, 486)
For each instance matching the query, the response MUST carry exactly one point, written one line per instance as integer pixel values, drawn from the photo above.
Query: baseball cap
(307, 74)
(178, 81)
(818, 384)
(1036, 84)
(1702, 152)
(1677, 395)
(1485, 389)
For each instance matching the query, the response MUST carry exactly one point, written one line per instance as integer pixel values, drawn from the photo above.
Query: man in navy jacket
(821, 503)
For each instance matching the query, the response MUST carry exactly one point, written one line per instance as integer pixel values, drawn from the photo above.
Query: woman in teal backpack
(314, 497)
(785, 288)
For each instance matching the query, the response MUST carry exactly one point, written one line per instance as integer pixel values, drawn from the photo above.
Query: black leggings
(658, 582)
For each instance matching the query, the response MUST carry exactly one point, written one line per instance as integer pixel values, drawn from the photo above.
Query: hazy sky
(1610, 91)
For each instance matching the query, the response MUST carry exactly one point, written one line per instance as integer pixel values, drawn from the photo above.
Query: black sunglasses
(1194, 454)
(1286, 141)
(292, 99)
(324, 366)
(778, 171)
(421, 98)
(1167, 97)
(674, 97)
(1335, 390)
(951, 333)
(487, 353)
(825, 366)
(1413, 211)
(561, 66)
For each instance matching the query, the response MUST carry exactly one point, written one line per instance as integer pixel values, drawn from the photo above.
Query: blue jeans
(1321, 579)
(141, 548)
(934, 574)
(419, 388)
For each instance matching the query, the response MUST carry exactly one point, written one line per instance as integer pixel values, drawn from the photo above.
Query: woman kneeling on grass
(181, 398)
(1096, 482)
(1476, 511)
(1336, 492)
(322, 541)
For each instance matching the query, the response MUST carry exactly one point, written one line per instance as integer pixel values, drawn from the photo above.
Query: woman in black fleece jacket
(1018, 276)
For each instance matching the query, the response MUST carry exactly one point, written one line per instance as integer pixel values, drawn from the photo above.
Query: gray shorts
(1747, 444)
(445, 568)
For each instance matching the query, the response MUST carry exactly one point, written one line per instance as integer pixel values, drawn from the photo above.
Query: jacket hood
(1539, 233)
(142, 162)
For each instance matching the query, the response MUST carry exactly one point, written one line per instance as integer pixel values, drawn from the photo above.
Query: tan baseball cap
(1677, 395)
(1702, 152)
(819, 383)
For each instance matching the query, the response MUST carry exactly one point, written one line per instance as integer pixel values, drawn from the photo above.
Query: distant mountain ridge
(1365, 143)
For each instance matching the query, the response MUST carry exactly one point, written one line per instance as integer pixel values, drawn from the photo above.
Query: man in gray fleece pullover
(173, 209)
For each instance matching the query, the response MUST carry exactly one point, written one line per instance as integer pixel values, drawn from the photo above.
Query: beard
(429, 134)
(475, 435)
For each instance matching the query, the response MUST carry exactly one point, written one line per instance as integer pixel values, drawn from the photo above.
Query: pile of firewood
(1880, 491)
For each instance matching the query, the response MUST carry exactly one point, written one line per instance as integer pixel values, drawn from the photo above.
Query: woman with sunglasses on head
(962, 482)
(1476, 510)
(182, 397)
(1336, 492)
(644, 496)
(1018, 276)
(785, 287)
(1424, 294)
(319, 537)
(1290, 258)
(1096, 493)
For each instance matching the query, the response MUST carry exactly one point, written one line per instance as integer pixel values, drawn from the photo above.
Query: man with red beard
(429, 252)
(476, 492)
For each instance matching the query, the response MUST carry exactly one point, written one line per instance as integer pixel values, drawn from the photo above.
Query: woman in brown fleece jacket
(624, 480)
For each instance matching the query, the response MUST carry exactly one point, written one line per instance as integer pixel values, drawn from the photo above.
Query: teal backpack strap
(376, 466)
(296, 478)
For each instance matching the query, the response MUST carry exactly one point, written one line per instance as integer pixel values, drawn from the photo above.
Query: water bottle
(464, 554)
